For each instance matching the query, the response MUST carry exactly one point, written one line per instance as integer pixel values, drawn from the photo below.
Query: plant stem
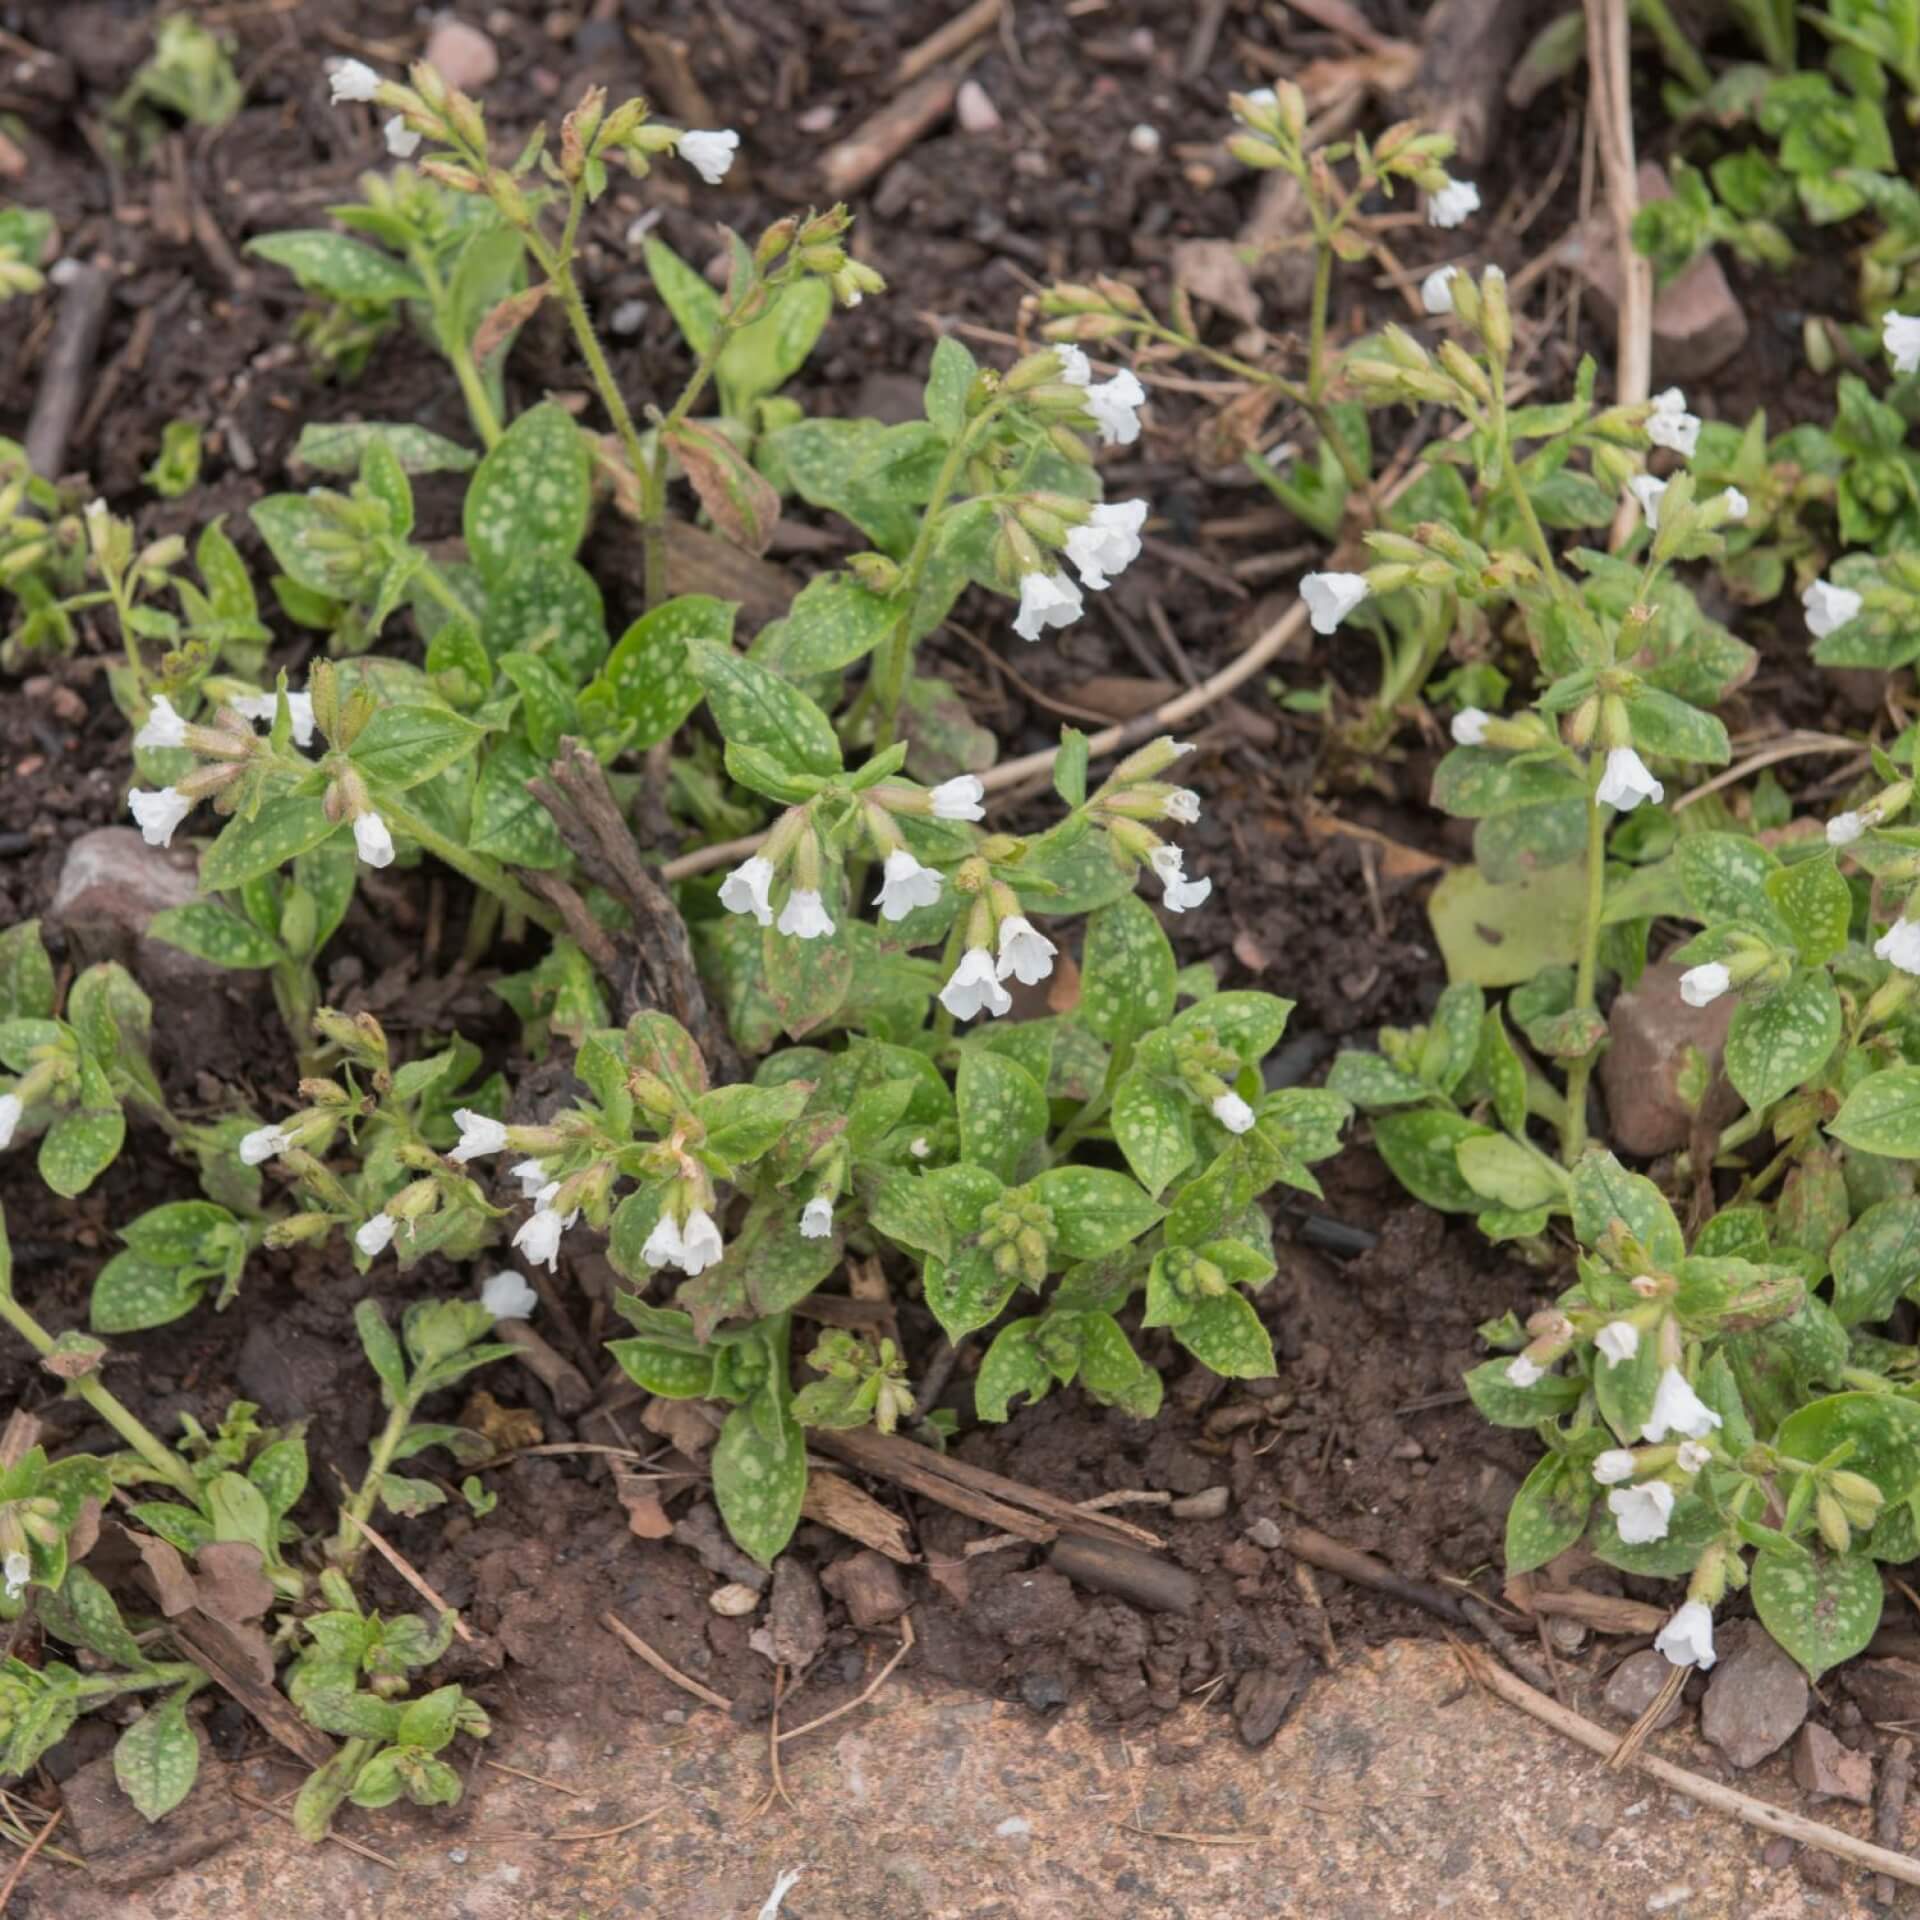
(459, 352)
(166, 1673)
(328, 1785)
(1095, 1109)
(1517, 492)
(348, 1542)
(485, 873)
(1574, 1133)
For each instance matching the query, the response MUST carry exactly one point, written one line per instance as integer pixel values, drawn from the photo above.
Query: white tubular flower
(1613, 1466)
(1046, 600)
(805, 915)
(10, 1111)
(158, 811)
(1641, 1513)
(374, 1236)
(1469, 727)
(1618, 1340)
(372, 840)
(1109, 542)
(975, 986)
(701, 1245)
(1233, 1113)
(402, 142)
(260, 707)
(1845, 828)
(1115, 405)
(352, 80)
(710, 155)
(1678, 1409)
(263, 1143)
(1733, 504)
(664, 1247)
(1522, 1372)
(1181, 805)
(1075, 368)
(18, 1570)
(1169, 865)
(920, 1146)
(746, 889)
(1436, 290)
(1647, 490)
(1899, 946)
(1900, 335)
(507, 1296)
(1692, 1456)
(1701, 986)
(816, 1218)
(532, 1177)
(1330, 597)
(164, 727)
(1627, 782)
(905, 884)
(1670, 425)
(1457, 201)
(1025, 952)
(478, 1134)
(958, 798)
(1687, 1639)
(1829, 608)
(539, 1237)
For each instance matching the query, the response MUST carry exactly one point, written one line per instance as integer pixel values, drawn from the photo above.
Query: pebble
(458, 1855)
(1633, 1684)
(733, 1600)
(973, 107)
(1208, 1504)
(1265, 1533)
(628, 317)
(1144, 139)
(463, 56)
(1755, 1702)
(1823, 1766)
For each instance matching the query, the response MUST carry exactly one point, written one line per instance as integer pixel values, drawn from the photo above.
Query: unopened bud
(1832, 1522)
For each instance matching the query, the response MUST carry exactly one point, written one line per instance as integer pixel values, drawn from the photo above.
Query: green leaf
(1500, 1070)
(1153, 1125)
(832, 622)
(753, 706)
(82, 1142)
(336, 446)
(1372, 1082)
(1549, 1513)
(1821, 1608)
(330, 263)
(1725, 876)
(742, 1122)
(1778, 1366)
(88, 1617)
(530, 495)
(949, 380)
(1692, 1524)
(759, 1482)
(1881, 1430)
(1224, 1334)
(907, 1210)
(1507, 1405)
(1779, 1039)
(1666, 725)
(664, 1370)
(134, 1291)
(1511, 1175)
(382, 1348)
(402, 745)
(1003, 1111)
(1247, 1024)
(1817, 906)
(279, 1470)
(1421, 1151)
(157, 1759)
(967, 1292)
(648, 678)
(26, 974)
(1126, 971)
(1605, 1192)
(1882, 1114)
(1875, 1261)
(1501, 935)
(508, 822)
(548, 607)
(1112, 1373)
(1012, 1365)
(1094, 1210)
(695, 306)
(766, 353)
(212, 932)
(808, 980)
(284, 827)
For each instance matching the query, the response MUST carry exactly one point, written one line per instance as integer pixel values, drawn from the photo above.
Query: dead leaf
(506, 319)
(1063, 989)
(1225, 439)
(646, 1517)
(1214, 271)
(739, 498)
(506, 1429)
(229, 1580)
(173, 1585)
(682, 1424)
(851, 1510)
(1397, 860)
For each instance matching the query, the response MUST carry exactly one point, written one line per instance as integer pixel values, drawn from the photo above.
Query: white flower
(664, 1247)
(1641, 1513)
(1169, 864)
(1900, 946)
(1647, 490)
(1469, 727)
(1458, 200)
(1330, 597)
(158, 812)
(1900, 335)
(478, 1134)
(375, 1235)
(1613, 1466)
(710, 155)
(701, 1245)
(263, 1143)
(1733, 504)
(1522, 1372)
(1618, 1340)
(1627, 782)
(373, 841)
(1670, 425)
(975, 985)
(1678, 1409)
(816, 1218)
(507, 1296)
(10, 1111)
(1025, 952)
(919, 1146)
(958, 798)
(1046, 600)
(1109, 543)
(805, 915)
(1181, 805)
(1702, 986)
(905, 884)
(402, 142)
(1687, 1639)
(1436, 290)
(1233, 1113)
(164, 727)
(1845, 828)
(352, 80)
(18, 1570)
(532, 1177)
(1115, 405)
(1829, 607)
(746, 888)
(539, 1237)
(1261, 97)
(1075, 368)
(262, 706)
(1693, 1456)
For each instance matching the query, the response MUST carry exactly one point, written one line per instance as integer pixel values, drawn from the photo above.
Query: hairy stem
(349, 1540)
(1574, 1133)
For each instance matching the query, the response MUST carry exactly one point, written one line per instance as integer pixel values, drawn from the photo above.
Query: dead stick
(662, 1665)
(76, 339)
(880, 140)
(571, 1390)
(860, 1699)
(1508, 1646)
(1889, 1809)
(410, 1574)
(1710, 1793)
(1331, 1556)
(945, 41)
(922, 1480)
(40, 1839)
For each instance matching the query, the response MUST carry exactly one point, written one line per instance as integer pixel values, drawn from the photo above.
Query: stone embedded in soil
(119, 1846)
(1822, 1765)
(1263, 1699)
(1633, 1685)
(1887, 1690)
(110, 887)
(1210, 1503)
(1265, 1533)
(700, 1532)
(1651, 1033)
(1756, 1700)
(1036, 1608)
(868, 1585)
(796, 1616)
(973, 107)
(461, 55)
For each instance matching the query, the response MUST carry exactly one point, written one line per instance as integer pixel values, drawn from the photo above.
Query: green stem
(458, 352)
(1574, 1133)
(1095, 1109)
(328, 1785)
(1517, 492)
(166, 1673)
(349, 1541)
(485, 873)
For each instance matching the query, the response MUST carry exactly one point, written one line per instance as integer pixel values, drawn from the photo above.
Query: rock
(1887, 1690)
(1265, 1533)
(121, 1849)
(868, 1584)
(461, 55)
(1652, 1033)
(1632, 1686)
(734, 1601)
(797, 1617)
(1037, 1608)
(111, 885)
(1823, 1766)
(1263, 1699)
(1210, 1503)
(1698, 325)
(974, 109)
(1755, 1701)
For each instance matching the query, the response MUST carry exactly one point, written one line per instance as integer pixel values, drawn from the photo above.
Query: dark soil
(1364, 1433)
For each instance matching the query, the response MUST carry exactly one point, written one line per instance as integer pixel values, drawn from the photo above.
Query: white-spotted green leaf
(1249, 1024)
(758, 1481)
(81, 1143)
(285, 826)
(1816, 904)
(135, 1291)
(1549, 1513)
(832, 622)
(157, 1759)
(1153, 1124)
(1500, 1070)
(967, 1292)
(1012, 1366)
(530, 494)
(212, 932)
(1779, 1039)
(1507, 1405)
(305, 539)
(1372, 1082)
(1509, 1174)
(336, 446)
(1224, 1334)
(1453, 1035)
(1111, 1372)
(1095, 1210)
(332, 264)
(949, 380)
(1882, 1114)
(87, 1616)
(1666, 725)
(1876, 1260)
(1725, 876)
(1003, 1111)
(402, 745)
(382, 1348)
(551, 608)
(1605, 1192)
(648, 683)
(1882, 1431)
(1821, 1608)
(1690, 1526)
(1422, 1152)
(1126, 971)
(508, 822)
(26, 974)
(754, 706)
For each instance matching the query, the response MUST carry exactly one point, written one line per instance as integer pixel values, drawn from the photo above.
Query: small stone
(1823, 1766)
(1819, 1868)
(1653, 1033)
(733, 1601)
(1633, 1685)
(1208, 1504)
(868, 1584)
(1042, 1692)
(628, 317)
(1887, 1690)
(1265, 1533)
(121, 1848)
(796, 1616)
(1756, 1700)
(1777, 1853)
(1263, 1699)
(461, 55)
(819, 119)
(111, 885)
(1144, 140)
(973, 107)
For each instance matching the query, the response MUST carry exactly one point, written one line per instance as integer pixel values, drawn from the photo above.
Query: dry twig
(411, 1575)
(20, 1866)
(662, 1665)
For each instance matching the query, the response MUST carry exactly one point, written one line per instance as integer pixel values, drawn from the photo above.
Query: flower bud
(875, 572)
(1832, 1522)
(1496, 318)
(775, 241)
(1616, 728)
(1466, 370)
(1577, 729)
(296, 1229)
(1859, 1498)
